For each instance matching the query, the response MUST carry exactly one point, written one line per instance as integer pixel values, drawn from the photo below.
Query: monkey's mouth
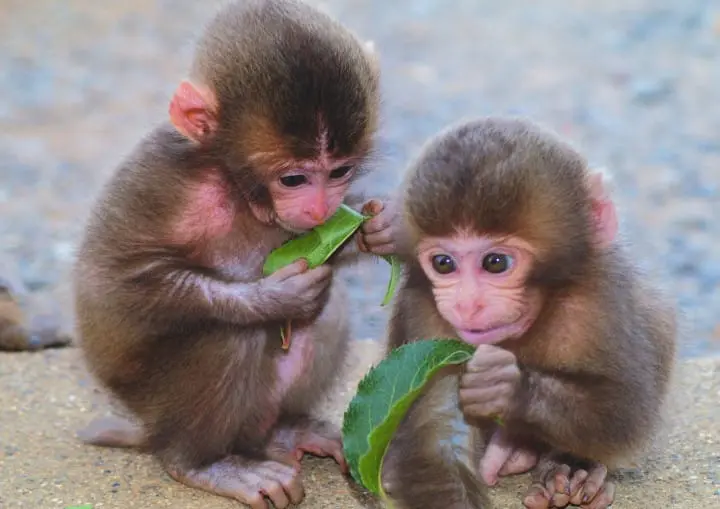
(492, 335)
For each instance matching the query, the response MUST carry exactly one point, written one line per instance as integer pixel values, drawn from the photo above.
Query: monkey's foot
(495, 464)
(112, 432)
(289, 444)
(248, 481)
(556, 485)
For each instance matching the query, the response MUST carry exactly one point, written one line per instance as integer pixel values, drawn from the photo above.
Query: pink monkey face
(479, 285)
(304, 199)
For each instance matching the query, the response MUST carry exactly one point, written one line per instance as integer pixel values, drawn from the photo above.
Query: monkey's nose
(317, 214)
(468, 309)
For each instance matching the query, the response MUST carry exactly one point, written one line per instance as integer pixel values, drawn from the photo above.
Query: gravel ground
(633, 82)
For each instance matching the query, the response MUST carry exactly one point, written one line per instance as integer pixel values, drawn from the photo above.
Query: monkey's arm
(176, 289)
(587, 415)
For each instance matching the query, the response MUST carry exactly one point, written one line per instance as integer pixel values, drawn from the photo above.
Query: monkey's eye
(496, 263)
(340, 172)
(443, 264)
(293, 180)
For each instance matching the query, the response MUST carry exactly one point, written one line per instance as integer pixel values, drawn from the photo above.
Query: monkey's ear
(192, 112)
(603, 209)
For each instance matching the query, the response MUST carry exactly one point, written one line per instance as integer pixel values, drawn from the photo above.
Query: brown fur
(173, 322)
(596, 363)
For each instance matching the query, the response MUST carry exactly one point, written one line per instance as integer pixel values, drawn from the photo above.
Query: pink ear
(192, 112)
(603, 211)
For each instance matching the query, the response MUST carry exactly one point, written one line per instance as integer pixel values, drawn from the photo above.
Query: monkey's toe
(591, 490)
(603, 499)
(536, 497)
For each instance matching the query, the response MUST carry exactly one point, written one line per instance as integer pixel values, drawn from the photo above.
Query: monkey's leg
(208, 407)
(293, 438)
(558, 482)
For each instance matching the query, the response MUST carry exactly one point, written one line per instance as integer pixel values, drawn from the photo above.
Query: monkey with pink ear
(509, 244)
(275, 123)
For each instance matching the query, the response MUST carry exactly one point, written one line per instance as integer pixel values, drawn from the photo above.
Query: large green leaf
(384, 396)
(317, 245)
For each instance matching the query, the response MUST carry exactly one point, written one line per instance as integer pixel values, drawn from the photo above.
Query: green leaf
(384, 396)
(394, 278)
(84, 506)
(319, 244)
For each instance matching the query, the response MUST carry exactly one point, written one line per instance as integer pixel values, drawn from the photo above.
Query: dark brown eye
(293, 180)
(339, 173)
(443, 264)
(496, 263)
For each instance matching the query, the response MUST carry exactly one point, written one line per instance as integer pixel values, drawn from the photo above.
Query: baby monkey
(509, 243)
(264, 140)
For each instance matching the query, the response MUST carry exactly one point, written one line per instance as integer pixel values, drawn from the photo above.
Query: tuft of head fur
(283, 71)
(506, 176)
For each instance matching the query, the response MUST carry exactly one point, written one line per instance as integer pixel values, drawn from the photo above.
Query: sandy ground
(46, 397)
(634, 83)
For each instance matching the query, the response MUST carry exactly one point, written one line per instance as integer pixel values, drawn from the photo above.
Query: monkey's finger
(604, 498)
(536, 497)
(382, 249)
(319, 274)
(576, 485)
(494, 400)
(361, 244)
(290, 270)
(559, 485)
(492, 377)
(281, 483)
(275, 492)
(373, 207)
(489, 355)
(384, 236)
(595, 480)
(377, 224)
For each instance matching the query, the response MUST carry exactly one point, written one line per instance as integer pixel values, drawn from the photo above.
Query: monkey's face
(479, 285)
(306, 197)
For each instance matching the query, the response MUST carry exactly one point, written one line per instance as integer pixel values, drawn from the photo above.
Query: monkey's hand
(489, 384)
(376, 234)
(295, 291)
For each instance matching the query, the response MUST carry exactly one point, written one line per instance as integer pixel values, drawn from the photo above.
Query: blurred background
(634, 83)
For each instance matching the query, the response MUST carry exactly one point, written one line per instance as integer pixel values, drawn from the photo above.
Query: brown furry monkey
(276, 120)
(510, 244)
